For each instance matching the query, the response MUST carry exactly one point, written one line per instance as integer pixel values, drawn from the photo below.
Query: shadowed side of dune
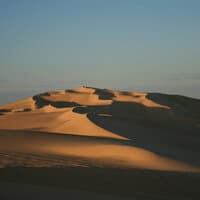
(5, 110)
(41, 102)
(164, 124)
(157, 129)
(136, 113)
(180, 105)
(24, 191)
(104, 94)
(139, 184)
(45, 149)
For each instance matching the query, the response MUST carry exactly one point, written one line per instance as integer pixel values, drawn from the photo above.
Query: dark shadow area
(139, 184)
(41, 102)
(5, 110)
(104, 94)
(144, 116)
(156, 129)
(72, 91)
(24, 110)
(27, 109)
(126, 93)
(63, 104)
(180, 105)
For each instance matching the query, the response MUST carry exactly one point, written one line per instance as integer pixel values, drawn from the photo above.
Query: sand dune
(132, 116)
(99, 128)
(50, 119)
(32, 113)
(67, 123)
(24, 191)
(92, 151)
(22, 105)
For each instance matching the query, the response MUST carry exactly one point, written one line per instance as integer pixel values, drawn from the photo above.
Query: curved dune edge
(68, 112)
(92, 96)
(82, 96)
(79, 124)
(92, 151)
(52, 111)
(136, 97)
(19, 105)
(85, 96)
(126, 157)
(51, 119)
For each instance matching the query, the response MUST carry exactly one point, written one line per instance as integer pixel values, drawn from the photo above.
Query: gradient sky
(143, 45)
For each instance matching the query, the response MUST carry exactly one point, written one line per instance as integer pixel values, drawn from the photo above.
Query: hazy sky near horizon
(144, 45)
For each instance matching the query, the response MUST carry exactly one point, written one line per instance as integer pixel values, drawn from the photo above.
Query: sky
(140, 45)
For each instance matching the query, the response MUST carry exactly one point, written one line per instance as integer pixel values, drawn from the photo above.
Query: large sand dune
(62, 150)
(100, 128)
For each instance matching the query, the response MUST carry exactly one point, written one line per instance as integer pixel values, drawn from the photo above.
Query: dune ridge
(61, 104)
(139, 130)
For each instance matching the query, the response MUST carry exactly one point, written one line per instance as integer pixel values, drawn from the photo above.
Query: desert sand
(151, 137)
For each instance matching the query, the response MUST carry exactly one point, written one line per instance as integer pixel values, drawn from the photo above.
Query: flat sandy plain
(100, 144)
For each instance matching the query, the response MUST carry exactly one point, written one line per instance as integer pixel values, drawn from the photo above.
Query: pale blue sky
(144, 45)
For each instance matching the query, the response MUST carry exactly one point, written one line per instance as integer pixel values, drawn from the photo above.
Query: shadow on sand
(141, 184)
(41, 102)
(170, 132)
(160, 130)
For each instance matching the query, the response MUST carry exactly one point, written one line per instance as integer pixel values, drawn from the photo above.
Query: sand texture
(151, 138)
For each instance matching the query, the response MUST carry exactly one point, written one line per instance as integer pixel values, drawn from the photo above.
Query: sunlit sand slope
(23, 148)
(100, 127)
(53, 111)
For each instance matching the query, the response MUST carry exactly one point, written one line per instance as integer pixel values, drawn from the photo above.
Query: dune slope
(126, 129)
(43, 149)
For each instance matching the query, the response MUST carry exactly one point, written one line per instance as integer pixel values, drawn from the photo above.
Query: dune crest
(126, 129)
(28, 103)
(79, 124)
(31, 113)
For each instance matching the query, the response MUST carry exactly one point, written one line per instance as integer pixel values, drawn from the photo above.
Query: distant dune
(99, 128)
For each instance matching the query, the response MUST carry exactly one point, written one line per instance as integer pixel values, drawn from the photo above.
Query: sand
(28, 191)
(91, 128)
